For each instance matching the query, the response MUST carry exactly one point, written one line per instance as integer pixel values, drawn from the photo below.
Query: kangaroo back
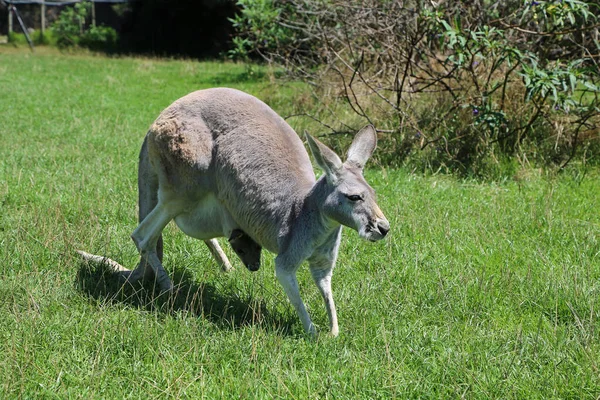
(230, 144)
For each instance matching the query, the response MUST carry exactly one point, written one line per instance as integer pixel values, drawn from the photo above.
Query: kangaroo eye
(354, 197)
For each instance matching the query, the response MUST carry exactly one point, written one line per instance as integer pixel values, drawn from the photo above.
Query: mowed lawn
(482, 290)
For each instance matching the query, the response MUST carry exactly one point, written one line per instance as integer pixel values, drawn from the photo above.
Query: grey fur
(219, 160)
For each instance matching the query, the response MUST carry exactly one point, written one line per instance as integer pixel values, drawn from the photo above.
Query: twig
(311, 117)
(518, 28)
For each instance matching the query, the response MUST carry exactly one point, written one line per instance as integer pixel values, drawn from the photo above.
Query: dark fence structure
(189, 28)
(39, 14)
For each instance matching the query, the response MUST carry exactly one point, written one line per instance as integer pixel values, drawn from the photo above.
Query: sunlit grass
(483, 290)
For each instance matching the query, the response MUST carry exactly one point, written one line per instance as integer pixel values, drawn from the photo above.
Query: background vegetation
(483, 290)
(476, 87)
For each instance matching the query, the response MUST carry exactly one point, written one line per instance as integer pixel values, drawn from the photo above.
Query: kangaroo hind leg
(147, 202)
(146, 237)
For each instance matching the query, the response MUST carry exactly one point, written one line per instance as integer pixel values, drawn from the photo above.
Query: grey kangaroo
(221, 163)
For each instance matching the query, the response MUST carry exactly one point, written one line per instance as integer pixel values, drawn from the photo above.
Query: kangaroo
(221, 163)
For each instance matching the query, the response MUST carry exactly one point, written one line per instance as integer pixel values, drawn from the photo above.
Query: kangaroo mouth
(370, 234)
(373, 233)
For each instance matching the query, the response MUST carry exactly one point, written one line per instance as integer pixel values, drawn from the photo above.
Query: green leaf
(573, 81)
(591, 86)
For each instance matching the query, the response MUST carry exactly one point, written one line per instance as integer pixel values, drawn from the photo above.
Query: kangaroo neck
(314, 205)
(306, 222)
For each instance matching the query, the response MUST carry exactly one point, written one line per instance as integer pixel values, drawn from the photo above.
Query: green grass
(483, 290)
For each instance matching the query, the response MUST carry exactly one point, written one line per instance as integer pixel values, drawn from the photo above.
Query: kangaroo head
(350, 200)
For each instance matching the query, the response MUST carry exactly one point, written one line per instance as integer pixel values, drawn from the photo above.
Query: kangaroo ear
(362, 146)
(325, 157)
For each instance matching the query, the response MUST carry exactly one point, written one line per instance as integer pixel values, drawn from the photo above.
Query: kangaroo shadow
(218, 305)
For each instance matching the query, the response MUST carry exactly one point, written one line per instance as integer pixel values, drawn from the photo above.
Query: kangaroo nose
(384, 227)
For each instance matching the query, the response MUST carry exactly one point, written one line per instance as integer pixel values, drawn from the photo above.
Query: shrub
(47, 38)
(99, 38)
(17, 38)
(460, 86)
(259, 20)
(72, 29)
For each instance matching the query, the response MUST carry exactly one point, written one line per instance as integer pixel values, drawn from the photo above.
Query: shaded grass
(220, 305)
(483, 290)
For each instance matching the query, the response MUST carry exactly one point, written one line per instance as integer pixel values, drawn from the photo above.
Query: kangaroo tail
(115, 266)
